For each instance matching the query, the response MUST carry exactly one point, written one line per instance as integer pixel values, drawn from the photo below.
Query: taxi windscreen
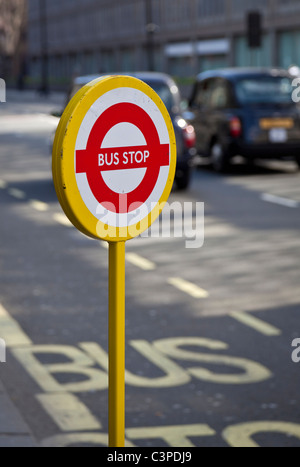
(264, 90)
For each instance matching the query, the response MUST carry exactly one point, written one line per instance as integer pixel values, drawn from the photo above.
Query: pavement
(208, 330)
(14, 431)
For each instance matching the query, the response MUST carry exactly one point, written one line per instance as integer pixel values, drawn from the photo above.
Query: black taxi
(245, 112)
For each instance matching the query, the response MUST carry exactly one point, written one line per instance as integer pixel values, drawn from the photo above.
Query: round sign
(114, 158)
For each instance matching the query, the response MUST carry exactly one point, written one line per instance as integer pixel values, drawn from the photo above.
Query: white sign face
(124, 156)
(126, 193)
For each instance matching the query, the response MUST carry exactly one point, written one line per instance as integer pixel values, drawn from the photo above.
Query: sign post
(114, 160)
(116, 372)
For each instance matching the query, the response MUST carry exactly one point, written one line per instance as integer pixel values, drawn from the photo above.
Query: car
(247, 112)
(168, 91)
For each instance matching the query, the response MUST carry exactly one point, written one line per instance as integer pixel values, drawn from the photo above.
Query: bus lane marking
(160, 353)
(173, 436)
(11, 332)
(66, 409)
(177, 436)
(240, 436)
(68, 412)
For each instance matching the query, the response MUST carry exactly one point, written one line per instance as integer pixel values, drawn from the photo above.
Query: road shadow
(41, 190)
(252, 169)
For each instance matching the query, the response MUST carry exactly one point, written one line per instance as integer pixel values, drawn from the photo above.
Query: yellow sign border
(63, 166)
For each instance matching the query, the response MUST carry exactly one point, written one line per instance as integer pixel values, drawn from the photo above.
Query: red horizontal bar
(122, 158)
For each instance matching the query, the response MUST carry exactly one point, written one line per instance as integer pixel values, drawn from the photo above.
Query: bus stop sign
(114, 158)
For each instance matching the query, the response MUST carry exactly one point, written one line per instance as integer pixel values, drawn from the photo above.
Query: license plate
(278, 135)
(269, 123)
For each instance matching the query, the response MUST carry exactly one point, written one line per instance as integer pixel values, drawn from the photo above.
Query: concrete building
(181, 37)
(12, 40)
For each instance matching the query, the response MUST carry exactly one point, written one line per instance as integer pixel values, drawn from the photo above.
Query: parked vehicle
(246, 112)
(168, 91)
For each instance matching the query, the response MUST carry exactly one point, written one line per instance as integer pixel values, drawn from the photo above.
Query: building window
(289, 49)
(127, 60)
(210, 9)
(107, 62)
(244, 56)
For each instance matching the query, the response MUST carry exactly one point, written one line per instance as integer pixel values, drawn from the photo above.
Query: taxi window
(219, 98)
(264, 90)
(203, 94)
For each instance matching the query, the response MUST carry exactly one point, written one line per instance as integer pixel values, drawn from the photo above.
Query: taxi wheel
(219, 158)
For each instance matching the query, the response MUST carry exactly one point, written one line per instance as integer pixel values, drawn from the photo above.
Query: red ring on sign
(87, 160)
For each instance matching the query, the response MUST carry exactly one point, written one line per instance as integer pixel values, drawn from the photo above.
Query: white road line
(135, 259)
(188, 287)
(38, 205)
(10, 330)
(19, 194)
(62, 219)
(289, 203)
(140, 262)
(255, 323)
(68, 412)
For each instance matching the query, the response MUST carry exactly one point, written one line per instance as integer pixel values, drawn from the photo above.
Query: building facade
(180, 37)
(12, 39)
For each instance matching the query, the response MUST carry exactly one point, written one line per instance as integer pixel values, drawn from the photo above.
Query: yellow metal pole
(116, 404)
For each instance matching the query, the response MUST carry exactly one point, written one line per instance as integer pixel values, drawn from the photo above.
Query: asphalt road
(210, 319)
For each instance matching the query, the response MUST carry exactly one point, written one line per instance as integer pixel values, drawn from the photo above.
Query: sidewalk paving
(14, 432)
(32, 102)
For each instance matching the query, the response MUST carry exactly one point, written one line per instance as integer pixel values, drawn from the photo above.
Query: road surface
(210, 318)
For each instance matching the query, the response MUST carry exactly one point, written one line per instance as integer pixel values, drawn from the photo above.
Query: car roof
(237, 73)
(142, 75)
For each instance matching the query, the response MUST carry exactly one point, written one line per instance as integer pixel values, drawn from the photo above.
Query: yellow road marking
(62, 219)
(188, 287)
(68, 412)
(140, 262)
(11, 331)
(177, 436)
(19, 194)
(77, 363)
(174, 375)
(240, 435)
(255, 323)
(39, 205)
(252, 371)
